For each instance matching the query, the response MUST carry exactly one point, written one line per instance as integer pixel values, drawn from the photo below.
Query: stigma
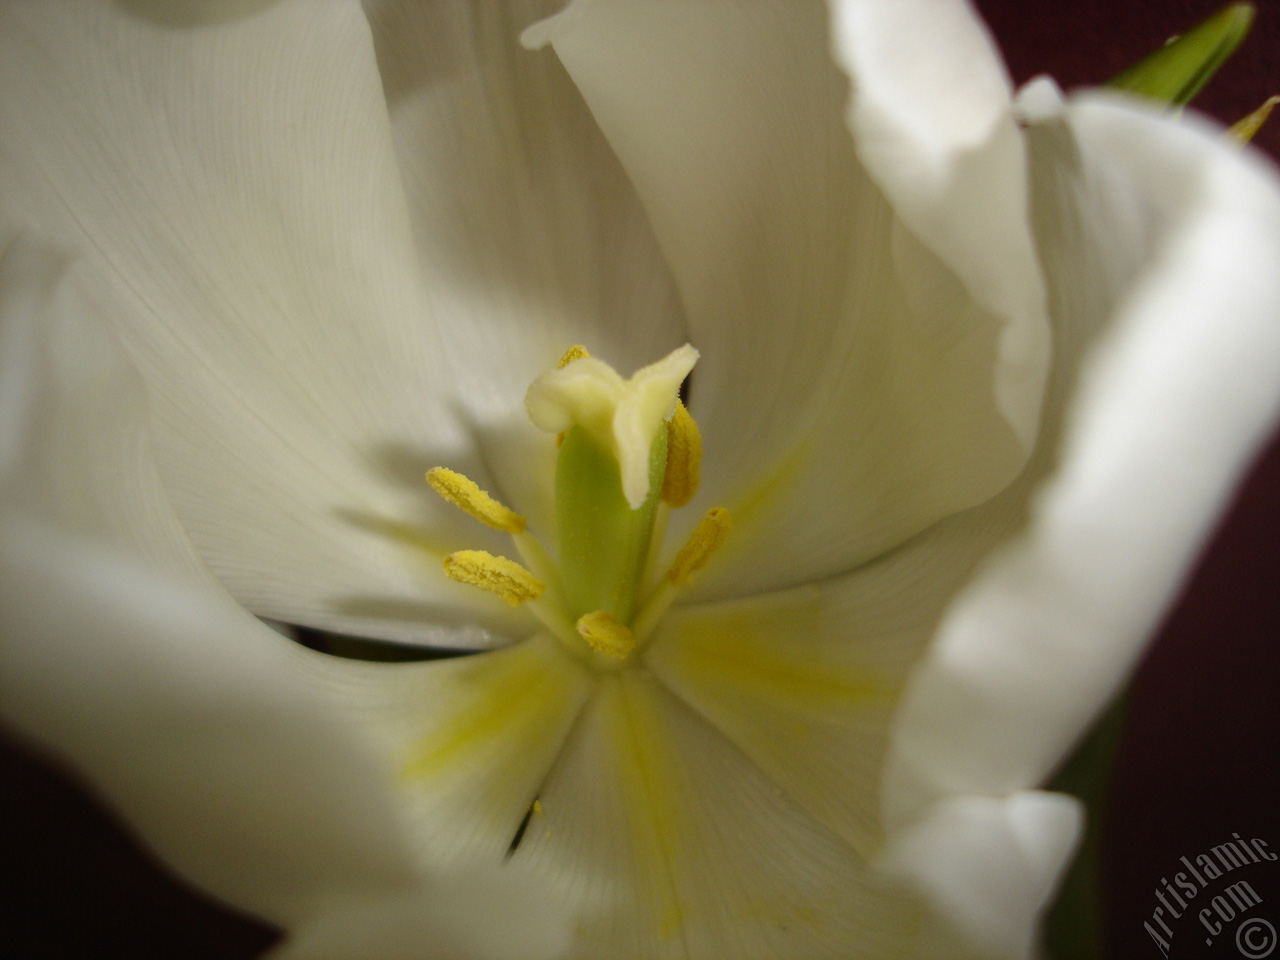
(628, 453)
(620, 415)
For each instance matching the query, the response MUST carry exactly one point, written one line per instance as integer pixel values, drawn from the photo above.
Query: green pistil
(603, 542)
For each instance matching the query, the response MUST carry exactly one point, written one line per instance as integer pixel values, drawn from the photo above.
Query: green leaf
(1176, 72)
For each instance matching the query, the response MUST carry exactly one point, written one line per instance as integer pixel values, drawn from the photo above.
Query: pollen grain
(576, 352)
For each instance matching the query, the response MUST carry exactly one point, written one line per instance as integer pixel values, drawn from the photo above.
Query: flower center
(629, 453)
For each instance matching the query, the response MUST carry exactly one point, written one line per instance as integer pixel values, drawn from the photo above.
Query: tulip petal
(472, 738)
(74, 437)
(188, 715)
(454, 918)
(235, 184)
(196, 723)
(850, 390)
(531, 237)
(655, 827)
(199, 724)
(931, 114)
(806, 682)
(1160, 242)
(184, 710)
(989, 865)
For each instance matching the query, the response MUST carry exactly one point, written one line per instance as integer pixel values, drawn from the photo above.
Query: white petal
(74, 442)
(197, 721)
(480, 914)
(846, 391)
(531, 236)
(472, 738)
(188, 715)
(186, 13)
(989, 866)
(1165, 238)
(931, 114)
(181, 707)
(672, 844)
(806, 681)
(235, 184)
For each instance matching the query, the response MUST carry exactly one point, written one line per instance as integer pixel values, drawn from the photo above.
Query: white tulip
(975, 378)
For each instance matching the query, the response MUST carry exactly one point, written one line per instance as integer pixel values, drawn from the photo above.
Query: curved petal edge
(988, 865)
(1161, 242)
(931, 114)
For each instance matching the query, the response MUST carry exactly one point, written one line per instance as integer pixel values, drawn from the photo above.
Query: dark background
(1198, 750)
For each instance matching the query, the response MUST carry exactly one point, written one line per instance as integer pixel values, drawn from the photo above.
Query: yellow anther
(464, 494)
(576, 352)
(606, 635)
(684, 458)
(1244, 130)
(512, 582)
(707, 536)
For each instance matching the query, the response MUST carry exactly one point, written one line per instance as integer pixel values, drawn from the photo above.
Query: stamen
(707, 536)
(703, 542)
(467, 496)
(576, 352)
(684, 458)
(605, 635)
(512, 582)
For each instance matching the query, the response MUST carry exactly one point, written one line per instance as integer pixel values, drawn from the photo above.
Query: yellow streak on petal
(605, 635)
(741, 654)
(510, 581)
(790, 693)
(652, 793)
(495, 704)
(1245, 129)
(671, 921)
(466, 495)
(706, 537)
(576, 352)
(757, 504)
(684, 458)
